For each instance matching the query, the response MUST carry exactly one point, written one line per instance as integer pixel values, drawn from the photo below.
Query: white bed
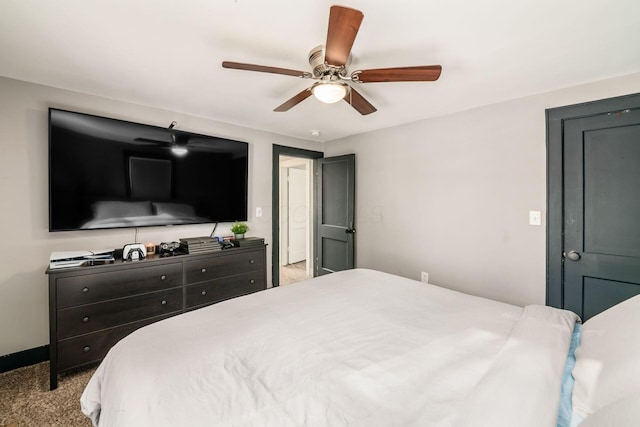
(356, 348)
(116, 213)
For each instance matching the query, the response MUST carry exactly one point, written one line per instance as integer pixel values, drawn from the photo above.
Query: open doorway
(293, 214)
(331, 218)
(296, 219)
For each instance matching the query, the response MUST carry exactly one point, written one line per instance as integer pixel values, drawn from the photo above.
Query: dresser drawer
(93, 347)
(88, 288)
(221, 289)
(228, 265)
(102, 315)
(92, 308)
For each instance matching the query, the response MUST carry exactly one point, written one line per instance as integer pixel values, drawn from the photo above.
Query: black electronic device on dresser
(92, 308)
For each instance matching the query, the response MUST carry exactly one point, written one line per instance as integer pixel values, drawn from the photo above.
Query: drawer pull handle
(163, 277)
(85, 319)
(204, 270)
(85, 290)
(204, 293)
(86, 349)
(164, 302)
(252, 281)
(251, 261)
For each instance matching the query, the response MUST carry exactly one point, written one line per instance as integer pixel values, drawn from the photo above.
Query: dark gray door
(335, 200)
(601, 213)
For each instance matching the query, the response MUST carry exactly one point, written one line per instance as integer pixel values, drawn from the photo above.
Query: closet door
(593, 245)
(601, 211)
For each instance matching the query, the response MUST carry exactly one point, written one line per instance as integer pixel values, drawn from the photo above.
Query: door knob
(572, 255)
(350, 230)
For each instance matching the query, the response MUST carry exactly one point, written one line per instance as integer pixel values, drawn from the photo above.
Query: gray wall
(451, 195)
(24, 194)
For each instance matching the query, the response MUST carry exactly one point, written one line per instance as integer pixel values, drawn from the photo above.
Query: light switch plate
(535, 218)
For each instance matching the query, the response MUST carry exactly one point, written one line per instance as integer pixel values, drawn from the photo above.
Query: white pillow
(608, 358)
(118, 209)
(625, 412)
(174, 209)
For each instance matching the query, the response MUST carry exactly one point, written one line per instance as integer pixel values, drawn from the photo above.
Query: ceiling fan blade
(149, 140)
(344, 24)
(425, 73)
(358, 102)
(265, 69)
(287, 105)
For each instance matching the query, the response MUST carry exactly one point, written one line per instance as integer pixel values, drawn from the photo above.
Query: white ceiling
(168, 54)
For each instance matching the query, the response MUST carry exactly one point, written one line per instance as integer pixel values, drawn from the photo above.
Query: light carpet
(25, 399)
(293, 273)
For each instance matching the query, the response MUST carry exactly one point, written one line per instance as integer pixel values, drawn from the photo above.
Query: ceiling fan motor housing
(321, 68)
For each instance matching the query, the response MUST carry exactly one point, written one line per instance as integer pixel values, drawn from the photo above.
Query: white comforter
(143, 221)
(357, 348)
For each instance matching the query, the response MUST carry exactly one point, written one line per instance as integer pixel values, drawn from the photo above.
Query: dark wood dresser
(92, 308)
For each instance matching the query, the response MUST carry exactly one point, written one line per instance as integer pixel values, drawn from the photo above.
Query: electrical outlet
(424, 277)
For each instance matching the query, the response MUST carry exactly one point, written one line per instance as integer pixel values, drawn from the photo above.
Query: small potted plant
(238, 229)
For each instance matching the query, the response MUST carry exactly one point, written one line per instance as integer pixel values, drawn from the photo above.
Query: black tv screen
(107, 173)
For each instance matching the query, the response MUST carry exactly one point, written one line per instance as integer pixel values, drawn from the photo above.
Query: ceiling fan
(177, 143)
(330, 62)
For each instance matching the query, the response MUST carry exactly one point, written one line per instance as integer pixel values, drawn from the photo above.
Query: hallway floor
(293, 273)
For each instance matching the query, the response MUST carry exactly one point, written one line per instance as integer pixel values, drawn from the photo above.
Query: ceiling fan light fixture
(179, 151)
(330, 92)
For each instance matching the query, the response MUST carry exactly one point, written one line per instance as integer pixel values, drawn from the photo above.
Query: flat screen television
(108, 173)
